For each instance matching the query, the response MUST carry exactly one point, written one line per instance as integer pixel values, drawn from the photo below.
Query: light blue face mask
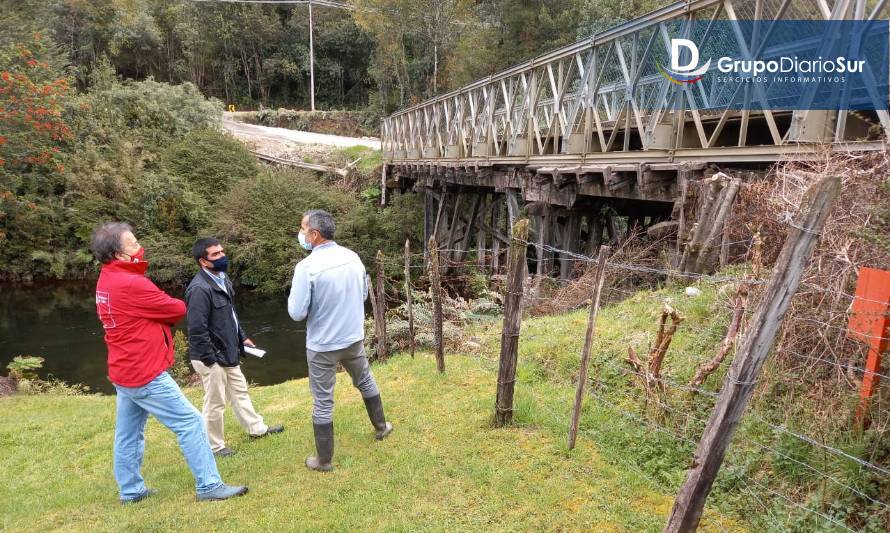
(303, 242)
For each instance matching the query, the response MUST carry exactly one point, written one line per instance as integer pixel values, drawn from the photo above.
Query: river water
(58, 322)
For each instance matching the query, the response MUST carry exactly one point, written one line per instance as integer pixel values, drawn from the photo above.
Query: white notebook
(256, 352)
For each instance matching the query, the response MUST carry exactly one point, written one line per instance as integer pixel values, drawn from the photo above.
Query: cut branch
(342, 172)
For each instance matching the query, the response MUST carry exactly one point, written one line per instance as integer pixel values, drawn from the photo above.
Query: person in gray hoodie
(328, 291)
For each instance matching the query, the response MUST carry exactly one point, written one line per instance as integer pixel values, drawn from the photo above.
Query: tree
(413, 38)
(33, 90)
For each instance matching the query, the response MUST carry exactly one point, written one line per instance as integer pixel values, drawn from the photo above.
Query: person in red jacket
(137, 317)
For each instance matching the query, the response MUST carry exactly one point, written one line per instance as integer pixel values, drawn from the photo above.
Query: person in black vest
(216, 342)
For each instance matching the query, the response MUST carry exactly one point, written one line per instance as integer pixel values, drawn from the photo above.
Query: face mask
(221, 264)
(303, 242)
(138, 260)
(139, 256)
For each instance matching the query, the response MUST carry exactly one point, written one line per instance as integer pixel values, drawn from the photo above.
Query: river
(58, 322)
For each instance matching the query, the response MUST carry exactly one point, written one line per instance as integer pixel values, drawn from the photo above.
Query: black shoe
(225, 452)
(270, 430)
(324, 446)
(382, 428)
(146, 494)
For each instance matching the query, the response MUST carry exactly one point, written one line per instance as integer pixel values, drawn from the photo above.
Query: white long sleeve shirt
(329, 291)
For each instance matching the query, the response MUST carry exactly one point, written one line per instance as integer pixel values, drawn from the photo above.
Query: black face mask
(221, 264)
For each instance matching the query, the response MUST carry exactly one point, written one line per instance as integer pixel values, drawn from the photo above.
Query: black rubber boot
(374, 405)
(324, 446)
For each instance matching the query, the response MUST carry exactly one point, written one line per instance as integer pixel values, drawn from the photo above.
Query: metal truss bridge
(595, 125)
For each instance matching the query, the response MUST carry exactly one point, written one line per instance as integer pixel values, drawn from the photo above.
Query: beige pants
(221, 384)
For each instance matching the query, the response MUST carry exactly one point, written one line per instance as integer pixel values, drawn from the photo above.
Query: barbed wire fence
(801, 466)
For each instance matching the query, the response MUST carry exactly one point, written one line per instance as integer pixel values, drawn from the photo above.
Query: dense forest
(381, 53)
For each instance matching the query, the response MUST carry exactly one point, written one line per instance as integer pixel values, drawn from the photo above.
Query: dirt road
(252, 132)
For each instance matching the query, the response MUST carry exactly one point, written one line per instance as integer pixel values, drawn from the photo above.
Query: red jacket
(137, 316)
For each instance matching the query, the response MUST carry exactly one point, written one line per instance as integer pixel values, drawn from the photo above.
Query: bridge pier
(477, 219)
(471, 209)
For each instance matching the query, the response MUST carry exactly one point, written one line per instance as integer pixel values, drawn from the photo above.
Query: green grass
(370, 158)
(443, 468)
(656, 434)
(626, 431)
(551, 345)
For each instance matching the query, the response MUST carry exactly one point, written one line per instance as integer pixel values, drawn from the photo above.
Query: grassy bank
(443, 468)
(791, 462)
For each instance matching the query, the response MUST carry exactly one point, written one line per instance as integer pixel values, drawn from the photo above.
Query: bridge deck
(603, 99)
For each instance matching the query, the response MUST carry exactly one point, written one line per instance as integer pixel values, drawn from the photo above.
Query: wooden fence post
(588, 341)
(408, 296)
(436, 290)
(516, 275)
(372, 295)
(381, 309)
(743, 374)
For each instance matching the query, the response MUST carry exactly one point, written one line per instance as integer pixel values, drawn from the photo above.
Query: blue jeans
(163, 399)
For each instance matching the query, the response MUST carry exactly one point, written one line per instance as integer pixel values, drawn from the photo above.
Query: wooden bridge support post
(709, 203)
(552, 239)
(710, 245)
(742, 375)
(428, 221)
(539, 245)
(450, 232)
(611, 228)
(512, 209)
(571, 236)
(543, 230)
(495, 242)
(481, 260)
(440, 213)
(594, 233)
(464, 244)
(556, 237)
(681, 220)
(725, 244)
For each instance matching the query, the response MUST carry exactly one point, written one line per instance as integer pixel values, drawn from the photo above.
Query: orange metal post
(870, 380)
(870, 323)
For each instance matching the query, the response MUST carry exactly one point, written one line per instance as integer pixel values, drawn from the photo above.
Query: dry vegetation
(857, 234)
(813, 353)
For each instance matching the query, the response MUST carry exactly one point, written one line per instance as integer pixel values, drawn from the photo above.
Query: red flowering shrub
(33, 92)
(32, 129)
